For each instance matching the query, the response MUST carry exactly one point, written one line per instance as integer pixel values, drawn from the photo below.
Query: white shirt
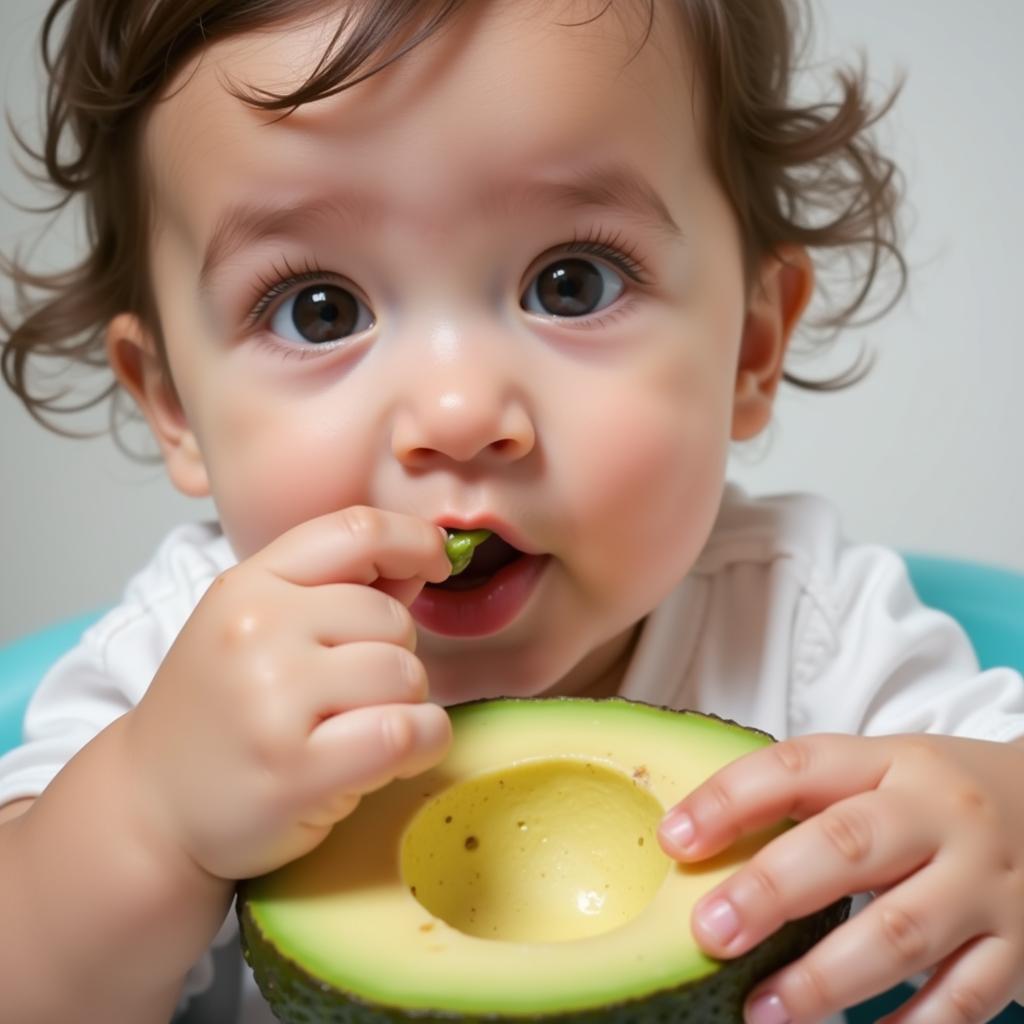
(781, 625)
(784, 626)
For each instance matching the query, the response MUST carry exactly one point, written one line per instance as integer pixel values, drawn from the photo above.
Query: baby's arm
(291, 690)
(103, 919)
(13, 810)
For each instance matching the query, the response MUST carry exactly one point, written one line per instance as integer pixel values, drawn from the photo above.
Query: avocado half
(519, 880)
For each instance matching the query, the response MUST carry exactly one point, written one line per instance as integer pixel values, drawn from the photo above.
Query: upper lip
(495, 524)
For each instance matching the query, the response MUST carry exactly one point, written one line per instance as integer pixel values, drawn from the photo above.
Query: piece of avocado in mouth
(519, 880)
(460, 545)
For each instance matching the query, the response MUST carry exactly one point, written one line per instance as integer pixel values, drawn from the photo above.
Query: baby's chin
(476, 670)
(456, 678)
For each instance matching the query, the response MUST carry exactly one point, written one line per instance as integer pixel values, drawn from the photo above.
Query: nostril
(503, 449)
(424, 434)
(416, 456)
(504, 446)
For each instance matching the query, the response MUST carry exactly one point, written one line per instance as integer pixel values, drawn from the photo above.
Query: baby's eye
(572, 287)
(319, 314)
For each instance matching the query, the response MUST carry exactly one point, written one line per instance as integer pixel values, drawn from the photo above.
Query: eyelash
(610, 247)
(613, 249)
(283, 279)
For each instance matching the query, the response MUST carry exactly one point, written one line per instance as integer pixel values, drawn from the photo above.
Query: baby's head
(534, 262)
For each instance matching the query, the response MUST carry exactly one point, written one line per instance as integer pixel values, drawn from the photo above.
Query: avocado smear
(520, 880)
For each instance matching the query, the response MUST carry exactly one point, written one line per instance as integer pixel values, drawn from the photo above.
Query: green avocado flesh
(519, 880)
(460, 545)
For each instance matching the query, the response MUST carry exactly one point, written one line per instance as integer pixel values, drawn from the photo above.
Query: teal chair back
(22, 665)
(987, 601)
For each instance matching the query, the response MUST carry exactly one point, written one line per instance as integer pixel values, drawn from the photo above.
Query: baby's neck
(601, 673)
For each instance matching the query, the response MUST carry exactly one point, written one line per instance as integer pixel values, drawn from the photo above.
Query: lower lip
(483, 610)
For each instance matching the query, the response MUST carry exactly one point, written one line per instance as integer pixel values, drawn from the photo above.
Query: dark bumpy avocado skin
(297, 998)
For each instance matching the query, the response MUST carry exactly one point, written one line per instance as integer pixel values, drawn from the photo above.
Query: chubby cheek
(645, 489)
(273, 467)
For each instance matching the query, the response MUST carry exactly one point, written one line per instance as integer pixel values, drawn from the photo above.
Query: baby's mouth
(488, 558)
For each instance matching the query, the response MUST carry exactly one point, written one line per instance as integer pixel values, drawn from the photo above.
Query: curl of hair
(811, 174)
(805, 174)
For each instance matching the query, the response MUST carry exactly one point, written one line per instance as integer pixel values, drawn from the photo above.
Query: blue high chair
(987, 601)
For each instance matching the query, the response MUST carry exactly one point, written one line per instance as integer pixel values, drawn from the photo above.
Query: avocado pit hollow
(548, 851)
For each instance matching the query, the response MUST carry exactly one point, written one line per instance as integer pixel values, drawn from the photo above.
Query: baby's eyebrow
(610, 186)
(244, 224)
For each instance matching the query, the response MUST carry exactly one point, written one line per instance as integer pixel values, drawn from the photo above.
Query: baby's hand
(936, 825)
(292, 690)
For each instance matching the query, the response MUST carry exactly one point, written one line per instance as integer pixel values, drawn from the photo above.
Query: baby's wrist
(150, 821)
(140, 902)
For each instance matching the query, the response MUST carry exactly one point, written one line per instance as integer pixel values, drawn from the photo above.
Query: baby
(371, 271)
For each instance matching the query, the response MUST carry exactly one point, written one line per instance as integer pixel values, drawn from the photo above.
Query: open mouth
(488, 559)
(485, 597)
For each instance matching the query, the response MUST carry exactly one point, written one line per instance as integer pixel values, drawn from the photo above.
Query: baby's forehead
(554, 85)
(620, 35)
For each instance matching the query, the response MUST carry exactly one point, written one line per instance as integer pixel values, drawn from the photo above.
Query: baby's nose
(462, 411)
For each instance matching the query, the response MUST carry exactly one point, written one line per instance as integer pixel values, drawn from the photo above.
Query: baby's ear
(779, 296)
(133, 356)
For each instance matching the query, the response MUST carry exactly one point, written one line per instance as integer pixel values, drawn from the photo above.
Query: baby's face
(496, 284)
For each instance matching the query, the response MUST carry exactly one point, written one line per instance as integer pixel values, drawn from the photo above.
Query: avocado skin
(297, 998)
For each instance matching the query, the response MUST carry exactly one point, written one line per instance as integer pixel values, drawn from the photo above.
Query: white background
(923, 455)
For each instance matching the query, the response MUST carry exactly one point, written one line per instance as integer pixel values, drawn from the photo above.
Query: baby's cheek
(647, 495)
(276, 475)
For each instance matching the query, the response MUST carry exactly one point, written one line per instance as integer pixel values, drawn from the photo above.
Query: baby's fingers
(361, 750)
(918, 924)
(345, 613)
(864, 843)
(971, 987)
(794, 779)
(358, 545)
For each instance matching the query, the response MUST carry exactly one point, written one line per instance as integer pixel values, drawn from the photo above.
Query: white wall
(925, 454)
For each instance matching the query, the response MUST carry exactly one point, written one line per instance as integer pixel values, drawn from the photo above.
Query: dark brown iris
(570, 288)
(325, 312)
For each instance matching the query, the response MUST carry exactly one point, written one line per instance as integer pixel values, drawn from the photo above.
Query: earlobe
(132, 355)
(784, 285)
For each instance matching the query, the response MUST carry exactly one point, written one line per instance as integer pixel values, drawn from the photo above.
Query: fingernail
(767, 1009)
(678, 830)
(719, 920)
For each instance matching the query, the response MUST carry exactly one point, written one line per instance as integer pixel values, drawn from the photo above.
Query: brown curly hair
(806, 174)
